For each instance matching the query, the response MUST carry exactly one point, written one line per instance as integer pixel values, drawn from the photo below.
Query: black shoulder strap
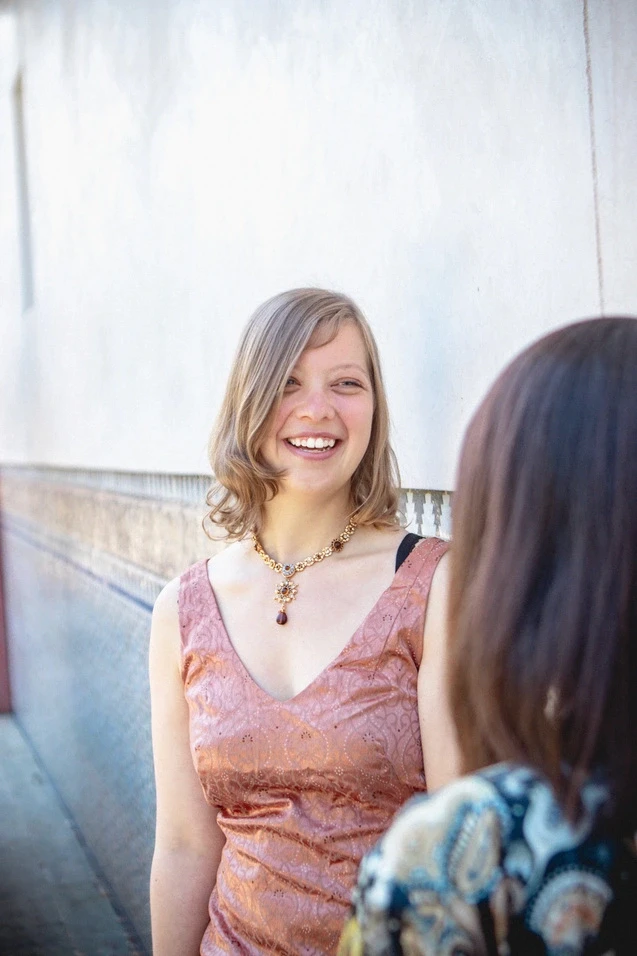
(406, 546)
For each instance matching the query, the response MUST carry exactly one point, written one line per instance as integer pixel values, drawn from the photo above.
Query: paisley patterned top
(488, 865)
(305, 786)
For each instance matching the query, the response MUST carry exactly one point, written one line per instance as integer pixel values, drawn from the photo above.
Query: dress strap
(406, 546)
(415, 576)
(194, 597)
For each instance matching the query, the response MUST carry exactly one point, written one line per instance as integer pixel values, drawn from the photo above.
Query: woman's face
(321, 430)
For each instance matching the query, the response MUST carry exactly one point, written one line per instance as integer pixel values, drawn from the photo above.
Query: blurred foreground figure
(533, 851)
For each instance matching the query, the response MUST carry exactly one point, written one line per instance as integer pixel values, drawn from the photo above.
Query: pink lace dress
(304, 787)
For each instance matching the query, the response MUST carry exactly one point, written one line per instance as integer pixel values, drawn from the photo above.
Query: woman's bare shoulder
(164, 630)
(440, 582)
(377, 541)
(436, 620)
(229, 566)
(166, 602)
(166, 607)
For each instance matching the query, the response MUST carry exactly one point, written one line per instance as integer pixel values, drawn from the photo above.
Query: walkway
(52, 902)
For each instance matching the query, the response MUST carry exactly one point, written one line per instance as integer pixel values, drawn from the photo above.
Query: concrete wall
(465, 170)
(181, 161)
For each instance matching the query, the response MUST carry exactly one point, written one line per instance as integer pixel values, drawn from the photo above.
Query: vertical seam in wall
(24, 205)
(591, 120)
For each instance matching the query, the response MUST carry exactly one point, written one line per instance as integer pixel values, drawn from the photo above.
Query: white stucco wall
(186, 160)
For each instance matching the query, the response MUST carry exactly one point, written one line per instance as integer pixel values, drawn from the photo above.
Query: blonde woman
(288, 698)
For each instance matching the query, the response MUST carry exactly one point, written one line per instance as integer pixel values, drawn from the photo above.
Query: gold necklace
(287, 590)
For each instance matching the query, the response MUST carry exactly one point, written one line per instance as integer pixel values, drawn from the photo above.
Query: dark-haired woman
(286, 732)
(533, 850)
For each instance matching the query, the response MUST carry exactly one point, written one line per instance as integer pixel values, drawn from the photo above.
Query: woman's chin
(315, 486)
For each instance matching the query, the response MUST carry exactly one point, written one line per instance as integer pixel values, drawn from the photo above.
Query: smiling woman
(323, 416)
(304, 346)
(282, 753)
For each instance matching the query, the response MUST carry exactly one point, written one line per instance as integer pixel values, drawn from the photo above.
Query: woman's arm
(188, 841)
(439, 742)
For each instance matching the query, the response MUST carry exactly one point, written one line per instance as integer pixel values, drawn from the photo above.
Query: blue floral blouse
(489, 865)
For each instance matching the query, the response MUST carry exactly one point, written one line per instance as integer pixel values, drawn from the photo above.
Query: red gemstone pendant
(281, 618)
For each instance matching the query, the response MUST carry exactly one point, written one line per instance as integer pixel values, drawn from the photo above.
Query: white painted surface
(12, 340)
(188, 159)
(613, 29)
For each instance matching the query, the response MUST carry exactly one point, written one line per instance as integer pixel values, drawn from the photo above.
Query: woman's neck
(293, 529)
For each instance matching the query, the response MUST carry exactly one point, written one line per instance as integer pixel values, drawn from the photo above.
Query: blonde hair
(271, 344)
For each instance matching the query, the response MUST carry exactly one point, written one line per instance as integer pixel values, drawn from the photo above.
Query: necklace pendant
(285, 592)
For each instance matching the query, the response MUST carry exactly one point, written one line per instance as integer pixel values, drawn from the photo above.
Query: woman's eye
(349, 383)
(290, 382)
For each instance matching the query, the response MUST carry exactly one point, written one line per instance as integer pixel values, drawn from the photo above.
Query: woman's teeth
(312, 442)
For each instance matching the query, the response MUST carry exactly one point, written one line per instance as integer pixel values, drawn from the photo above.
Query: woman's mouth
(314, 443)
(316, 447)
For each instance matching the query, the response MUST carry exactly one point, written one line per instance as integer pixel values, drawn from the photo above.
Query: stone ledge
(150, 521)
(164, 536)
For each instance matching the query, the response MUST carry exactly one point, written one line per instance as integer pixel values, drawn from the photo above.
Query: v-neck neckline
(329, 666)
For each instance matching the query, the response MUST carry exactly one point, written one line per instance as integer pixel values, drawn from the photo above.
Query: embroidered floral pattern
(489, 866)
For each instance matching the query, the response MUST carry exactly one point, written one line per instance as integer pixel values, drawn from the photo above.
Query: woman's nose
(317, 405)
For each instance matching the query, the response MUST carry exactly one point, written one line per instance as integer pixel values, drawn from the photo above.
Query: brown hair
(272, 343)
(543, 595)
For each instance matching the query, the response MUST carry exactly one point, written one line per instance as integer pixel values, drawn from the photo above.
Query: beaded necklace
(287, 590)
